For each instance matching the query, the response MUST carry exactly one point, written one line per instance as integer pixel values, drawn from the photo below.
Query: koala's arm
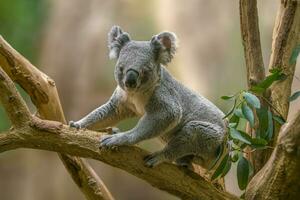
(108, 114)
(157, 121)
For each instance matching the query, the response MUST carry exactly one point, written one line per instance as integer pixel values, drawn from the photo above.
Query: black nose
(131, 78)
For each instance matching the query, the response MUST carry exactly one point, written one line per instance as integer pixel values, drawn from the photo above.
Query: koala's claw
(74, 124)
(152, 160)
(112, 141)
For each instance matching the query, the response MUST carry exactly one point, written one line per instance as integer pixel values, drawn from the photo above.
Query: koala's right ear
(164, 46)
(116, 40)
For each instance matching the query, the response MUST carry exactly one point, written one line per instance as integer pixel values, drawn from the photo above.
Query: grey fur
(191, 125)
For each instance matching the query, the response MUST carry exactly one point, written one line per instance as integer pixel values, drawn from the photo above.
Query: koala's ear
(116, 40)
(164, 46)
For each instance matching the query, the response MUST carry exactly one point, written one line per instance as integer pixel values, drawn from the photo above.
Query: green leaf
(220, 168)
(276, 74)
(262, 115)
(257, 89)
(231, 110)
(247, 112)
(258, 143)
(227, 97)
(251, 99)
(270, 130)
(238, 112)
(226, 168)
(234, 119)
(243, 173)
(232, 125)
(294, 96)
(239, 135)
(279, 119)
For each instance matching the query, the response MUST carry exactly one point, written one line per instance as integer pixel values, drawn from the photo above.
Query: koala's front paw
(153, 159)
(111, 141)
(74, 124)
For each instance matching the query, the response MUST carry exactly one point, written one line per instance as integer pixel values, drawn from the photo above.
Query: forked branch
(44, 95)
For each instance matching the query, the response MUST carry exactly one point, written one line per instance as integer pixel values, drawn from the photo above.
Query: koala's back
(194, 107)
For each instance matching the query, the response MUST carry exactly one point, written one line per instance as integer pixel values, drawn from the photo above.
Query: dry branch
(279, 178)
(84, 143)
(44, 95)
(286, 37)
(254, 63)
(251, 42)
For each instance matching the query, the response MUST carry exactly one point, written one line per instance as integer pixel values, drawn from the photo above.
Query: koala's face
(138, 62)
(136, 68)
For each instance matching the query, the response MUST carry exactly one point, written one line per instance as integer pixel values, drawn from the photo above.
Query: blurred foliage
(21, 26)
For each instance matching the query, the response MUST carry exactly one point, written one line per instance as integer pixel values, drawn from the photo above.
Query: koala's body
(191, 125)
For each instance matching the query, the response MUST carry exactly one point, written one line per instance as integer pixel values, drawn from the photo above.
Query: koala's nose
(131, 78)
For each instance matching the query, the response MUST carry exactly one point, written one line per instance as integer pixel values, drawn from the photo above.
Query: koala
(190, 125)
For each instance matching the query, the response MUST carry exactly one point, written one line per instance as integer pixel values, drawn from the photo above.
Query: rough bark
(54, 136)
(254, 63)
(44, 95)
(251, 42)
(286, 37)
(279, 178)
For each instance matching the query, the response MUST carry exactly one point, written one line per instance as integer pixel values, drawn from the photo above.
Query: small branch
(254, 62)
(279, 178)
(251, 42)
(85, 143)
(44, 95)
(13, 103)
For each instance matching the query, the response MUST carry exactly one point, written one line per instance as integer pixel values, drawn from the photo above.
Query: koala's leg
(106, 115)
(149, 126)
(197, 138)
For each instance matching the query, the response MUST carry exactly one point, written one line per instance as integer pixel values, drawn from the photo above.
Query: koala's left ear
(117, 38)
(164, 46)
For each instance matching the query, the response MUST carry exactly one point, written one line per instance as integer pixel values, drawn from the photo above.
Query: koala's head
(139, 62)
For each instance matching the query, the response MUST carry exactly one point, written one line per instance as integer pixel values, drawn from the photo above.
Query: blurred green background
(67, 40)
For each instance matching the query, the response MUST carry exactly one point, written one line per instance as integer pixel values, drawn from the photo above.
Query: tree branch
(44, 95)
(53, 136)
(254, 63)
(279, 178)
(286, 37)
(251, 42)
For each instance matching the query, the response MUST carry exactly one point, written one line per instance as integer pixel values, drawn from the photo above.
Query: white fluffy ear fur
(116, 40)
(164, 46)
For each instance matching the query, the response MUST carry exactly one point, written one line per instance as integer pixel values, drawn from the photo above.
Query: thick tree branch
(279, 178)
(254, 63)
(286, 37)
(52, 136)
(44, 95)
